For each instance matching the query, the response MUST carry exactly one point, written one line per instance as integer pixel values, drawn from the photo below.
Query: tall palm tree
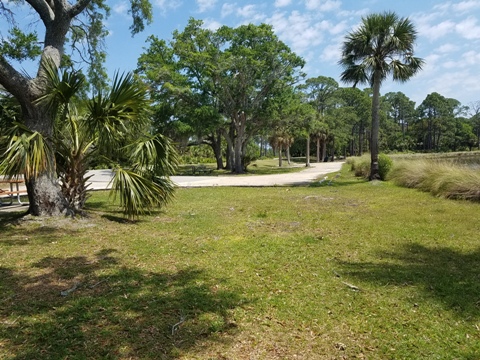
(381, 46)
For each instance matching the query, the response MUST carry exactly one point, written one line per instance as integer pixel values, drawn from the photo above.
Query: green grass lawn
(352, 270)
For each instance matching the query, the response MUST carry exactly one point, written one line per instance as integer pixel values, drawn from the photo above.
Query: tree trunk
(361, 132)
(287, 150)
(324, 149)
(280, 155)
(307, 163)
(229, 151)
(44, 192)
(333, 149)
(374, 167)
(216, 145)
(318, 150)
(240, 127)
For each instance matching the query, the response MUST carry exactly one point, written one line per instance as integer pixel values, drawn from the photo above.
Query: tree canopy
(231, 73)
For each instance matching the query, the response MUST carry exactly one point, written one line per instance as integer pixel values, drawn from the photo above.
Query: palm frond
(60, 89)
(138, 194)
(115, 114)
(28, 153)
(382, 45)
(155, 154)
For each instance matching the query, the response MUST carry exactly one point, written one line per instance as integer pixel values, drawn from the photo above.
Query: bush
(361, 165)
(385, 164)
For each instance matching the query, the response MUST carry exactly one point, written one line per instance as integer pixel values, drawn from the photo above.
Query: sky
(448, 35)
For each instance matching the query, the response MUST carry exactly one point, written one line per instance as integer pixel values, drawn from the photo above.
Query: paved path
(101, 178)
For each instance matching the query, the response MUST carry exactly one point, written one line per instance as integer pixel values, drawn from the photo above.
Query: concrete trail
(101, 178)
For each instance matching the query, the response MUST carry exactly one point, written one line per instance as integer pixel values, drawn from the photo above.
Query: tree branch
(43, 9)
(77, 8)
(9, 15)
(12, 80)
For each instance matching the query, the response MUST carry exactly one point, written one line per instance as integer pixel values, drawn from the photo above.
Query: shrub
(361, 165)
(384, 166)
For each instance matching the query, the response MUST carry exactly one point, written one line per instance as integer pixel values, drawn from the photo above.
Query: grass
(446, 179)
(352, 270)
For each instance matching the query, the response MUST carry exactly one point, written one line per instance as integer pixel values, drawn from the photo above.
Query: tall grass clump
(443, 179)
(361, 165)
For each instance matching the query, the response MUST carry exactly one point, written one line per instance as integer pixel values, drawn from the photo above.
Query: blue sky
(448, 35)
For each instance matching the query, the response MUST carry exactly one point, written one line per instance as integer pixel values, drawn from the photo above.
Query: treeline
(239, 89)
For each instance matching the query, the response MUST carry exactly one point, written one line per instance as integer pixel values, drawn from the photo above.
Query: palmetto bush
(112, 125)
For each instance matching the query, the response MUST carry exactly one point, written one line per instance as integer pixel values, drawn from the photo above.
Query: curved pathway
(101, 178)
(303, 177)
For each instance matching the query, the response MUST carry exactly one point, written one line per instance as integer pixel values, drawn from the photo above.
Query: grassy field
(353, 270)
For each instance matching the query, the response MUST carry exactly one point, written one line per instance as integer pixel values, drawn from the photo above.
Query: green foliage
(385, 164)
(20, 46)
(361, 165)
(383, 45)
(112, 124)
(27, 153)
(218, 82)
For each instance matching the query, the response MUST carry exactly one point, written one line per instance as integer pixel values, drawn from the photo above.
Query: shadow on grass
(40, 234)
(96, 308)
(9, 218)
(446, 276)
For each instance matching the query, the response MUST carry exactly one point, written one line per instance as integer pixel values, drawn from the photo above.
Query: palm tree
(112, 125)
(382, 45)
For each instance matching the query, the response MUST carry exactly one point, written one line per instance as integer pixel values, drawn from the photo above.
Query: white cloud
(454, 84)
(205, 5)
(250, 14)
(227, 9)
(299, 30)
(468, 28)
(437, 31)
(247, 11)
(447, 48)
(211, 24)
(471, 58)
(282, 3)
(121, 8)
(323, 5)
(331, 53)
(459, 7)
(339, 28)
(165, 5)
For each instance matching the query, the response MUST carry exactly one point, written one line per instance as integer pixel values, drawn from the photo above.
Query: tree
(382, 45)
(319, 92)
(354, 104)
(81, 22)
(475, 120)
(401, 111)
(113, 124)
(232, 71)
